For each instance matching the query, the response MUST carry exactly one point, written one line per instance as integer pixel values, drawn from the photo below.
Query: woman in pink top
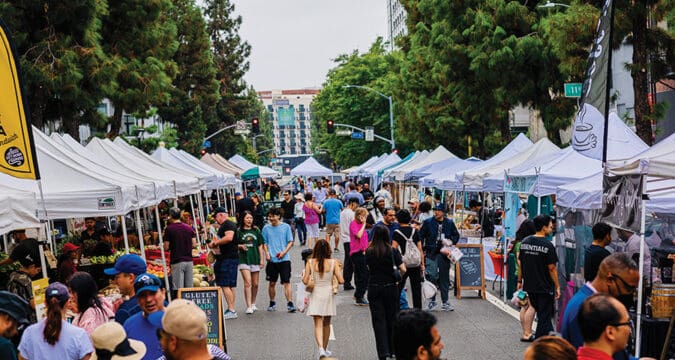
(358, 243)
(90, 309)
(312, 211)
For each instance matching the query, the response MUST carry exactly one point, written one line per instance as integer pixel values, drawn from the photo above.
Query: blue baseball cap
(130, 264)
(147, 282)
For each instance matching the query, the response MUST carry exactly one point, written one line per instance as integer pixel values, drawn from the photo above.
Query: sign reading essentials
(209, 300)
(17, 151)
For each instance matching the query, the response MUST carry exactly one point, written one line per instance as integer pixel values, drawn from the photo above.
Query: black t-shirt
(229, 250)
(102, 248)
(288, 208)
(243, 204)
(95, 236)
(381, 270)
(594, 256)
(403, 240)
(536, 253)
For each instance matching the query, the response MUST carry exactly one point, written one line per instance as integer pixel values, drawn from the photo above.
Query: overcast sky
(293, 42)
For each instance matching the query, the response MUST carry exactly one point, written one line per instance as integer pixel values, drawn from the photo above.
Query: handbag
(309, 287)
(397, 272)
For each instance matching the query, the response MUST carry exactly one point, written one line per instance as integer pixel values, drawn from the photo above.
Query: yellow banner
(17, 151)
(39, 288)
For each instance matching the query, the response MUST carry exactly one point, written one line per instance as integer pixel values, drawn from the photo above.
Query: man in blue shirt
(353, 194)
(126, 270)
(389, 221)
(278, 242)
(434, 231)
(150, 296)
(617, 276)
(332, 206)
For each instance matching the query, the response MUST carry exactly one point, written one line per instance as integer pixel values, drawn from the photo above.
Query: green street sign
(573, 90)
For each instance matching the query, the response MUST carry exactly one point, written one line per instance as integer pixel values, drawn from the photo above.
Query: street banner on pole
(17, 150)
(590, 125)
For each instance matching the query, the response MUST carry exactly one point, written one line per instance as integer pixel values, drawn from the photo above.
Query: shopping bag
(301, 297)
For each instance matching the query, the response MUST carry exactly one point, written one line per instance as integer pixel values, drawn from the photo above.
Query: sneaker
(361, 302)
(230, 314)
(335, 250)
(328, 352)
(348, 287)
(255, 308)
(431, 305)
(322, 354)
(272, 307)
(447, 307)
(249, 310)
(291, 308)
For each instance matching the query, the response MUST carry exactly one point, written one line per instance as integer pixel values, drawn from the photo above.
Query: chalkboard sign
(209, 300)
(469, 271)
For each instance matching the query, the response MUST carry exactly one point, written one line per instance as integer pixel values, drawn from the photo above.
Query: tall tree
(141, 39)
(358, 107)
(195, 91)
(231, 59)
(65, 71)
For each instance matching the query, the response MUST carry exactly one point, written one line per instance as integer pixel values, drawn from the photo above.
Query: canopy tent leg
(538, 205)
(218, 196)
(124, 233)
(139, 230)
(4, 241)
(202, 218)
(161, 250)
(51, 237)
(43, 260)
(638, 325)
(194, 221)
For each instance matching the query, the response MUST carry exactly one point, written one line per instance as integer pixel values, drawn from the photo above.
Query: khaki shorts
(333, 229)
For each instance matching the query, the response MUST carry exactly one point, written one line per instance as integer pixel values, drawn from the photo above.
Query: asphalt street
(477, 329)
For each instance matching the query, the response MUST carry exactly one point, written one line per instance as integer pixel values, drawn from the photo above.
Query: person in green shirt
(14, 312)
(251, 258)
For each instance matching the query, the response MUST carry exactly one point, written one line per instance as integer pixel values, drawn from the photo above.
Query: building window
(103, 108)
(302, 125)
(270, 108)
(293, 152)
(282, 134)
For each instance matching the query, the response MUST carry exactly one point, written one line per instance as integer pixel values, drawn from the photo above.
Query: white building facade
(396, 18)
(292, 119)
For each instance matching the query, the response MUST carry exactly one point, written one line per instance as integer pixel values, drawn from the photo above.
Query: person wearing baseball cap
(126, 270)
(111, 343)
(435, 232)
(225, 267)
(13, 314)
(150, 296)
(21, 282)
(183, 331)
(66, 264)
(53, 337)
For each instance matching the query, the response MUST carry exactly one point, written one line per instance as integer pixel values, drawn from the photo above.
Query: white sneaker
(255, 308)
(249, 310)
(328, 352)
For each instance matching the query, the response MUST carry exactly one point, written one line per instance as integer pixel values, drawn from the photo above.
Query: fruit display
(155, 268)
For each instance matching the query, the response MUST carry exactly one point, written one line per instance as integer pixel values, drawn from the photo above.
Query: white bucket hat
(111, 343)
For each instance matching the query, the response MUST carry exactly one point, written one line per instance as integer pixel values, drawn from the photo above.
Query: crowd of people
(383, 245)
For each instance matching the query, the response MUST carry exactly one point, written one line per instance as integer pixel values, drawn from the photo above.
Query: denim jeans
(301, 230)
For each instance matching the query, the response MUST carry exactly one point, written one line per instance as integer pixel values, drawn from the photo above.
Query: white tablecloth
(488, 244)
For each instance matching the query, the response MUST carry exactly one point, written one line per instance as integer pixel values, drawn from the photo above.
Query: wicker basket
(663, 301)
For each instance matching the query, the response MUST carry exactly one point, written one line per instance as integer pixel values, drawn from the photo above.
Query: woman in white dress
(322, 299)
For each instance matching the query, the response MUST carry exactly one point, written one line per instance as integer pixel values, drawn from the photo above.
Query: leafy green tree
(358, 107)
(230, 54)
(195, 91)
(140, 38)
(64, 69)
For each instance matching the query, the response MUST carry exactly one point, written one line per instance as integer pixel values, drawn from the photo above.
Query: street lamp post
(391, 109)
(253, 141)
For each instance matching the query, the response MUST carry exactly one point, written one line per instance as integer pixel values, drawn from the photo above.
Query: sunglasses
(628, 323)
(628, 287)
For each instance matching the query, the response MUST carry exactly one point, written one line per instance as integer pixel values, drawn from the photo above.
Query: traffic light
(395, 151)
(329, 127)
(203, 152)
(255, 126)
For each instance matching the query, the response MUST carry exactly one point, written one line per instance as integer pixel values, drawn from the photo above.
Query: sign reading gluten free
(17, 150)
(209, 300)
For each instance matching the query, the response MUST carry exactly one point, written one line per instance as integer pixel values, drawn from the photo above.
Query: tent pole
(218, 196)
(124, 233)
(538, 205)
(4, 241)
(202, 218)
(43, 260)
(638, 325)
(161, 250)
(194, 221)
(139, 230)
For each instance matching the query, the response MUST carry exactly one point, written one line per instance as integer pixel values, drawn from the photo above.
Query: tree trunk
(643, 123)
(115, 123)
(72, 127)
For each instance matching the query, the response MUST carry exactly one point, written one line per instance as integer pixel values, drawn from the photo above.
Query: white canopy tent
(244, 164)
(18, 210)
(161, 188)
(229, 179)
(209, 180)
(218, 162)
(659, 160)
(385, 161)
(137, 164)
(311, 167)
(391, 172)
(437, 170)
(472, 179)
(439, 154)
(367, 163)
